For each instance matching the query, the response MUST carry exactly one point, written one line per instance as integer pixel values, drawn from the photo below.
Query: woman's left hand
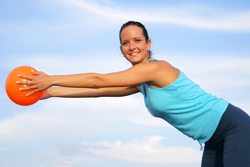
(39, 82)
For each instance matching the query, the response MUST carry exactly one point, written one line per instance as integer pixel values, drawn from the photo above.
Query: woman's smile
(134, 53)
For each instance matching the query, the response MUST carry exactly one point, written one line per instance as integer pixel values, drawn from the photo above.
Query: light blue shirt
(187, 107)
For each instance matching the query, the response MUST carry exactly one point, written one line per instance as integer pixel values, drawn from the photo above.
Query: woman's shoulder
(165, 73)
(158, 61)
(162, 64)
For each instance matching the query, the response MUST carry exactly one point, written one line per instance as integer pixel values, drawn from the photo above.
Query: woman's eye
(125, 43)
(138, 40)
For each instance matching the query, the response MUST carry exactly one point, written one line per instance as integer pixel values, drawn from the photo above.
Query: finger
(25, 76)
(25, 82)
(33, 92)
(28, 88)
(35, 72)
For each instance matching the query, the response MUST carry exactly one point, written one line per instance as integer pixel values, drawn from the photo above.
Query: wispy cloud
(200, 17)
(145, 150)
(68, 117)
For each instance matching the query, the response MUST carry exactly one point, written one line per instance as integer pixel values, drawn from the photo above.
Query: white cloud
(150, 122)
(68, 117)
(78, 117)
(145, 150)
(187, 15)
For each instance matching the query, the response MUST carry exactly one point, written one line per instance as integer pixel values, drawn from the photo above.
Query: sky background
(208, 40)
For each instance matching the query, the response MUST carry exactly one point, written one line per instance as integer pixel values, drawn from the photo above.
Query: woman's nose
(132, 46)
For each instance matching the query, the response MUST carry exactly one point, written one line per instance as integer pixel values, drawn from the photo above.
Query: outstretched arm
(135, 75)
(140, 73)
(89, 92)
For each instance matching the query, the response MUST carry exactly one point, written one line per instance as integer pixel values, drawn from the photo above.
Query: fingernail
(17, 81)
(18, 75)
(20, 88)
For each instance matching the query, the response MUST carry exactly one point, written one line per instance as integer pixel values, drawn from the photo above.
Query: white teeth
(134, 54)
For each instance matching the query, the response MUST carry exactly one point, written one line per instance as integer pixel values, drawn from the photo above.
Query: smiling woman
(135, 44)
(139, 27)
(168, 94)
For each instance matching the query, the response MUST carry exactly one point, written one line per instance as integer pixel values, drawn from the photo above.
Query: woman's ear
(148, 44)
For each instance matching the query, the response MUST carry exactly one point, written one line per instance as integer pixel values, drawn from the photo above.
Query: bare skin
(135, 48)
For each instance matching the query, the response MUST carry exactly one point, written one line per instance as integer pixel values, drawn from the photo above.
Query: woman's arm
(89, 92)
(155, 73)
(135, 75)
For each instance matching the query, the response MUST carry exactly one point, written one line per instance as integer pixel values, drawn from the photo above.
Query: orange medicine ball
(13, 89)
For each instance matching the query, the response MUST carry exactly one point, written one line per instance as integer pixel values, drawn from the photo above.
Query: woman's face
(134, 46)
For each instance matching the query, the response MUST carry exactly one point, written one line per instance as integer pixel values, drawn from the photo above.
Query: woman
(168, 94)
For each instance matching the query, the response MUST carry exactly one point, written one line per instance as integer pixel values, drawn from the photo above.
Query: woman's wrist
(52, 80)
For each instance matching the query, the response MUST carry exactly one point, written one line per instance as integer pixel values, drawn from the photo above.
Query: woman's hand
(39, 82)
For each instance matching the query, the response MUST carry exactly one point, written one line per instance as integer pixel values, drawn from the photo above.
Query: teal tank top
(186, 106)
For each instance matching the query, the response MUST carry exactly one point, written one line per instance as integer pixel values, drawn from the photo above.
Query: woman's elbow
(99, 81)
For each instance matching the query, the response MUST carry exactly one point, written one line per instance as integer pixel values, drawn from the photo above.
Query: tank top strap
(152, 59)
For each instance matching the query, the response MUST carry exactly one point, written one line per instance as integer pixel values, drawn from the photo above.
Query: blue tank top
(186, 106)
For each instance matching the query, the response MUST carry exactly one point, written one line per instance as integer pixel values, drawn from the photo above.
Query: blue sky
(208, 40)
